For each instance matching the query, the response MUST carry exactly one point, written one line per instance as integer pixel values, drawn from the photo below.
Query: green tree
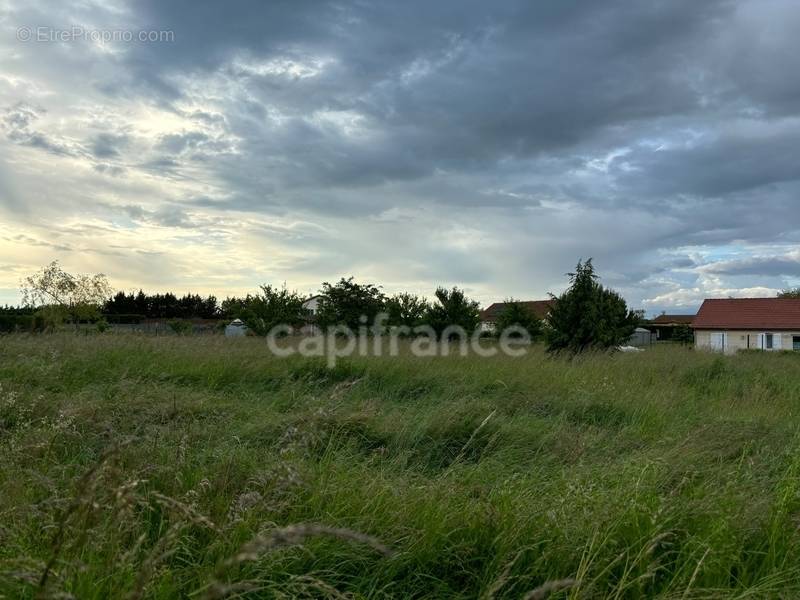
(60, 296)
(453, 308)
(270, 308)
(347, 303)
(407, 310)
(142, 304)
(790, 293)
(516, 315)
(232, 308)
(588, 316)
(683, 334)
(120, 304)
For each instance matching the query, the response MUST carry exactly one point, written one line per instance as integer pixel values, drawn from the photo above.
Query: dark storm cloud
(776, 266)
(731, 162)
(756, 55)
(453, 85)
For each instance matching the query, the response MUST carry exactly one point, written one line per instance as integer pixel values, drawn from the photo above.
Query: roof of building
(540, 308)
(666, 319)
(749, 313)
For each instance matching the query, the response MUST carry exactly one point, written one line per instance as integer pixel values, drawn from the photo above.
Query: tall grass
(160, 467)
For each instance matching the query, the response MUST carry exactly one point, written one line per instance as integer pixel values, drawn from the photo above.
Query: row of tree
(585, 316)
(13, 318)
(162, 306)
(355, 306)
(15, 311)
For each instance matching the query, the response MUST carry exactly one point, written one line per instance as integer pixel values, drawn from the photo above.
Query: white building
(236, 328)
(311, 306)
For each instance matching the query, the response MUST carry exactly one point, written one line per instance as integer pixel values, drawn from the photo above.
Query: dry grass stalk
(86, 488)
(549, 587)
(188, 512)
(163, 549)
(504, 577)
(292, 535)
(282, 537)
(472, 437)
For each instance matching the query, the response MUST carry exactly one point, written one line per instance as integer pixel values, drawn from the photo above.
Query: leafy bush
(516, 315)
(453, 308)
(407, 310)
(350, 304)
(272, 307)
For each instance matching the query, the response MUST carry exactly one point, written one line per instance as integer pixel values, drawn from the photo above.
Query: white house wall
(736, 340)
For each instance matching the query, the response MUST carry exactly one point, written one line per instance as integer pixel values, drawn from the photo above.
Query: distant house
(736, 324)
(489, 316)
(664, 325)
(311, 306)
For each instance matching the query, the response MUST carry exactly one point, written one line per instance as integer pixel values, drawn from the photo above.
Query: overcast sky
(488, 145)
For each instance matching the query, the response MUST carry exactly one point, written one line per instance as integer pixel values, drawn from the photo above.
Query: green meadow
(204, 467)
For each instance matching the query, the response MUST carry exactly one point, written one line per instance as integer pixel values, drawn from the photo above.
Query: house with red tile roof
(732, 324)
(489, 316)
(673, 320)
(665, 326)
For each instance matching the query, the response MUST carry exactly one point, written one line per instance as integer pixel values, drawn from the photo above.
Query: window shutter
(776, 341)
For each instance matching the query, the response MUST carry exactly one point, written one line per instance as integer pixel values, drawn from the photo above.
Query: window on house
(768, 341)
(796, 342)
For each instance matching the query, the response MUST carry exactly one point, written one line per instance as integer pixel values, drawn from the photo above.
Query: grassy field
(204, 468)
